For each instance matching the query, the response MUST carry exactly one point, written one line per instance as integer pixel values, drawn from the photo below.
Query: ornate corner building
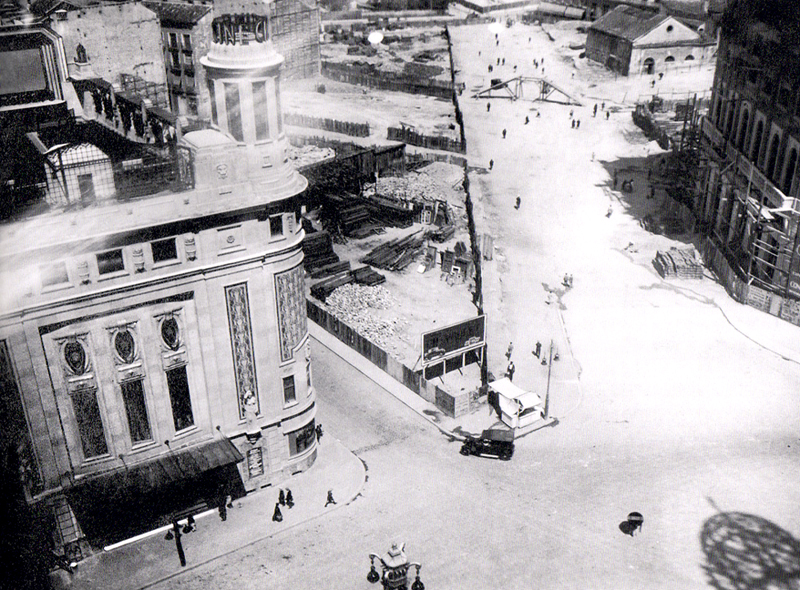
(748, 200)
(153, 341)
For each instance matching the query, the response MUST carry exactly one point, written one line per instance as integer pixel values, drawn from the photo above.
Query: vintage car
(493, 441)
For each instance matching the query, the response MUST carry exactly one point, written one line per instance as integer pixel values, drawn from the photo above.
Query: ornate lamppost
(395, 566)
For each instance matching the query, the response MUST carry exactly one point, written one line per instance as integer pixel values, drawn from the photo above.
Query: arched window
(729, 124)
(648, 65)
(690, 57)
(756, 151)
(743, 128)
(773, 156)
(669, 59)
(791, 167)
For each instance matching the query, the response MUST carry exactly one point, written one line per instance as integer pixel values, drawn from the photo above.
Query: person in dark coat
(491, 164)
(276, 515)
(510, 370)
(281, 498)
(330, 499)
(538, 350)
(289, 498)
(488, 107)
(504, 133)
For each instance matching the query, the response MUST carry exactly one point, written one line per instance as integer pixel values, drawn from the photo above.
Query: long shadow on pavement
(745, 552)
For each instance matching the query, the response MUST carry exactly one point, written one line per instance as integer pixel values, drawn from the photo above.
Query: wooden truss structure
(515, 89)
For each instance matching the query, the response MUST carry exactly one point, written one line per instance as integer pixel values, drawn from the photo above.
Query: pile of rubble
(309, 154)
(412, 188)
(354, 304)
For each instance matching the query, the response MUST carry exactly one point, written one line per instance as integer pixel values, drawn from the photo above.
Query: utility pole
(547, 394)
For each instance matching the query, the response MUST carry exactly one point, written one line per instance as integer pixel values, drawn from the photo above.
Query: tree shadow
(746, 552)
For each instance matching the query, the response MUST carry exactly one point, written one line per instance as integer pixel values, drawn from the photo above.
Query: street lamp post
(395, 566)
(176, 533)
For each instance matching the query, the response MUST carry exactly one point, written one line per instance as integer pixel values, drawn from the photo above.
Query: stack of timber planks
(675, 263)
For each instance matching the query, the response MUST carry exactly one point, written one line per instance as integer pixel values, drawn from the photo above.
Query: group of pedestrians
(286, 499)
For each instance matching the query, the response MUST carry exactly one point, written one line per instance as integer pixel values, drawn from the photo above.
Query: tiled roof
(628, 22)
(179, 12)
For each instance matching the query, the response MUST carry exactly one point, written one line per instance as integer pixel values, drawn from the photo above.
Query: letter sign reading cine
(241, 29)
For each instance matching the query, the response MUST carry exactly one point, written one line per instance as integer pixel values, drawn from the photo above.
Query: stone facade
(164, 331)
(120, 38)
(748, 195)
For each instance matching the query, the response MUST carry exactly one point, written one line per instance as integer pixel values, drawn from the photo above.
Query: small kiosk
(518, 408)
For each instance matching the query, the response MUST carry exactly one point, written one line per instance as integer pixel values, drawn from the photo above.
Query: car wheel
(465, 450)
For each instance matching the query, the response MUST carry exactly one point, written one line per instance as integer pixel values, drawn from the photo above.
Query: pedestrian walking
(289, 498)
(518, 203)
(571, 112)
(538, 350)
(504, 133)
(488, 107)
(330, 499)
(509, 350)
(603, 107)
(573, 123)
(281, 498)
(608, 114)
(510, 370)
(491, 164)
(498, 61)
(538, 114)
(277, 516)
(504, 61)
(515, 68)
(609, 212)
(527, 119)
(578, 124)
(318, 428)
(594, 112)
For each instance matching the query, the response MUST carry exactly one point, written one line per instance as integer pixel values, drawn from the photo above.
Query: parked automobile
(492, 442)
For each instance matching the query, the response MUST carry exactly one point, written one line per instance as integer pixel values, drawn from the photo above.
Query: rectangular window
(278, 110)
(173, 40)
(260, 109)
(288, 390)
(164, 250)
(276, 226)
(213, 98)
(111, 261)
(301, 439)
(135, 408)
(90, 425)
(187, 42)
(54, 274)
(234, 110)
(178, 385)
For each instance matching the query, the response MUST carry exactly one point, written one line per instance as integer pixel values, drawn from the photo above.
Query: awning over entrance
(171, 467)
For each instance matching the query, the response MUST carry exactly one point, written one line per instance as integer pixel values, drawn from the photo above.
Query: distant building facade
(116, 38)
(185, 38)
(632, 41)
(154, 348)
(748, 199)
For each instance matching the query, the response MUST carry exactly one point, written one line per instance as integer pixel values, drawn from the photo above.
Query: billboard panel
(453, 340)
